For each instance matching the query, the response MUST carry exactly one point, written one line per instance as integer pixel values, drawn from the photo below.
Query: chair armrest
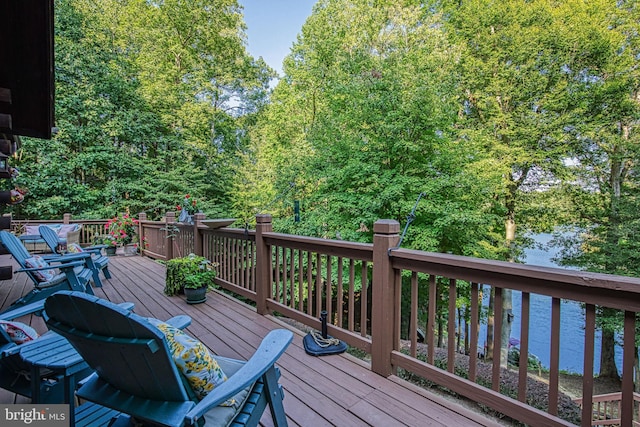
(127, 305)
(94, 249)
(271, 348)
(69, 265)
(34, 307)
(66, 257)
(49, 267)
(181, 321)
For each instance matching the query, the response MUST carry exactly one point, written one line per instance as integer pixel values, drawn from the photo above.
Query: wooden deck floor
(336, 390)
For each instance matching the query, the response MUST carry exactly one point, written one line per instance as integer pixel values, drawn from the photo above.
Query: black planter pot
(196, 296)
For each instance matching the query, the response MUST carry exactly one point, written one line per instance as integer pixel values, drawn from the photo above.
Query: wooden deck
(335, 390)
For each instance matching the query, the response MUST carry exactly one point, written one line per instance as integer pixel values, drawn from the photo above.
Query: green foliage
(191, 272)
(143, 116)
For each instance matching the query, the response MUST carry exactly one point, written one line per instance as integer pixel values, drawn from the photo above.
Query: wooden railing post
(263, 263)
(66, 218)
(197, 236)
(142, 216)
(383, 309)
(170, 219)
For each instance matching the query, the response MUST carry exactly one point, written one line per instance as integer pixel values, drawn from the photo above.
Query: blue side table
(52, 353)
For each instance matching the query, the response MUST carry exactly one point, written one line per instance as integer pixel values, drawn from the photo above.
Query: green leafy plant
(199, 280)
(191, 271)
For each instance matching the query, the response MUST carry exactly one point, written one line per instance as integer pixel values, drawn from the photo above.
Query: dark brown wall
(26, 65)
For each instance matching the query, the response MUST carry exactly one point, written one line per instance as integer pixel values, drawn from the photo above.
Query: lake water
(572, 322)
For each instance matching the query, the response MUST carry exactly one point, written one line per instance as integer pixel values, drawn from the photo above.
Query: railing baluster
(475, 320)
(309, 284)
(228, 259)
(300, 282)
(318, 290)
(451, 322)
(292, 278)
(524, 347)
(587, 375)
(235, 262)
(497, 339)
(329, 291)
(431, 323)
(364, 300)
(272, 273)
(352, 285)
(413, 322)
(286, 283)
(397, 276)
(554, 356)
(339, 294)
(629, 350)
(253, 270)
(277, 275)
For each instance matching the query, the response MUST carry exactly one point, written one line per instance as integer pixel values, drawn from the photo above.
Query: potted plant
(124, 231)
(187, 209)
(192, 275)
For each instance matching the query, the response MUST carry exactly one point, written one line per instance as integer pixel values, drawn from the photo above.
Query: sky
(272, 27)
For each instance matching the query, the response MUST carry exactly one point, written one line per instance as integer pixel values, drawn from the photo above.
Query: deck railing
(90, 227)
(418, 313)
(606, 409)
(375, 298)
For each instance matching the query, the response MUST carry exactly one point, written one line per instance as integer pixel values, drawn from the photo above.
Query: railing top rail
(355, 250)
(593, 288)
(233, 233)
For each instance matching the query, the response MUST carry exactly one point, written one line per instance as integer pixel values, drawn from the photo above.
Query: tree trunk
(507, 310)
(488, 351)
(507, 299)
(608, 368)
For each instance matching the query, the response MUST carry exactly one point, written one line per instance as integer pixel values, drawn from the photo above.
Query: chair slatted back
(139, 359)
(17, 250)
(50, 237)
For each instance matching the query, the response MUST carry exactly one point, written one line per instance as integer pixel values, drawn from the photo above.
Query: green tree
(152, 102)
(605, 146)
(512, 83)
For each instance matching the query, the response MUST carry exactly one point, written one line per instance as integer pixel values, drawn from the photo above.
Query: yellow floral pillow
(74, 248)
(194, 361)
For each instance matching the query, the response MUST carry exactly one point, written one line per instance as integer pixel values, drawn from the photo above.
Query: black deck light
(322, 344)
(296, 210)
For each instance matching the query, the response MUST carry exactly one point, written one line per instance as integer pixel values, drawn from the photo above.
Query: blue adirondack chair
(96, 262)
(43, 369)
(136, 377)
(16, 374)
(71, 271)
